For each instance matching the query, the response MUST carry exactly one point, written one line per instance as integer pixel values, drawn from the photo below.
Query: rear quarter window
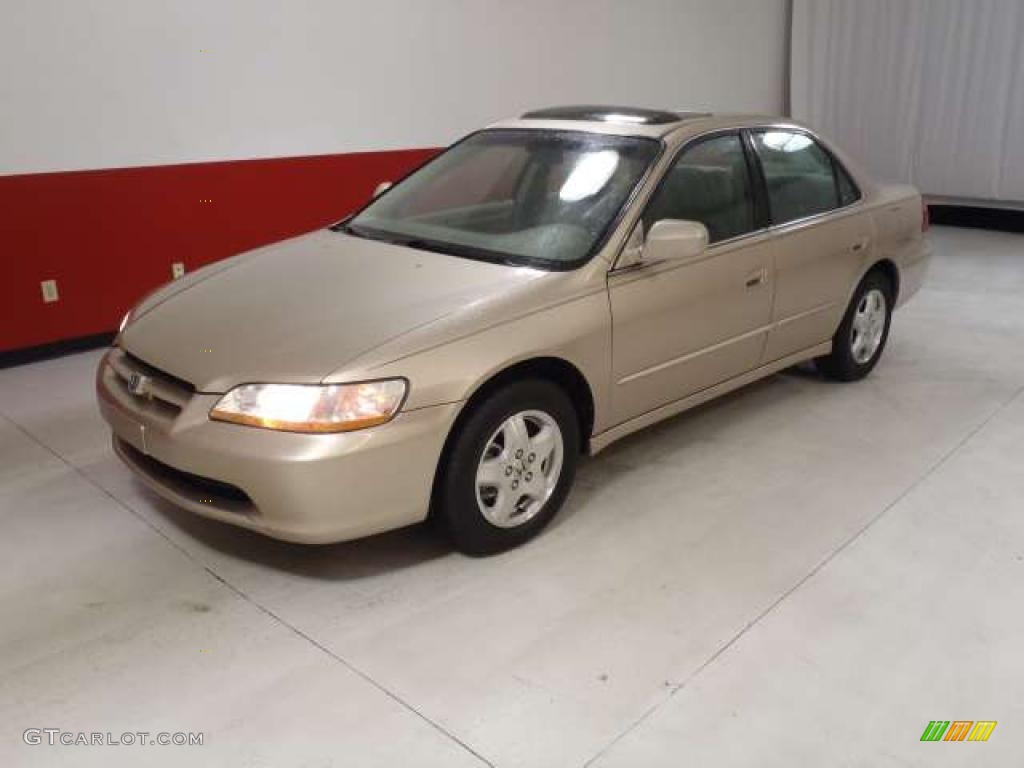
(848, 192)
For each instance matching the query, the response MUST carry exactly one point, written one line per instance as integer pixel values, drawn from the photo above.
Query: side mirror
(381, 188)
(676, 240)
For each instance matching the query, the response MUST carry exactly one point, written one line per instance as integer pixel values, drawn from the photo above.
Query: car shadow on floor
(615, 463)
(422, 543)
(343, 561)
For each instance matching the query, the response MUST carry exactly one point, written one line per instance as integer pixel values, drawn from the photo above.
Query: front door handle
(754, 279)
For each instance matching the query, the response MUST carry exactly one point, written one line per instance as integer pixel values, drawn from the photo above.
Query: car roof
(634, 121)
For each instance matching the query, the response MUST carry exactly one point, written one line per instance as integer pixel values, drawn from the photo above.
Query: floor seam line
(807, 577)
(245, 597)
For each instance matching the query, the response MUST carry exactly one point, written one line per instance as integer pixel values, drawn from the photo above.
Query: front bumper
(306, 488)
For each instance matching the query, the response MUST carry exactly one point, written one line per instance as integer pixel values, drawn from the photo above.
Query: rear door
(823, 237)
(682, 327)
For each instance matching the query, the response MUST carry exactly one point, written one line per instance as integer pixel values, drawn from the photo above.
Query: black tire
(457, 508)
(841, 364)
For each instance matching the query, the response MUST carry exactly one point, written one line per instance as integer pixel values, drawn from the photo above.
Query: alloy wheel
(868, 326)
(519, 468)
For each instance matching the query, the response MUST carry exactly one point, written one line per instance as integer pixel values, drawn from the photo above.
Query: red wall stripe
(110, 236)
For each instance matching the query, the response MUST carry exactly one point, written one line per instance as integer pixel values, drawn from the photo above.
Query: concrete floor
(801, 574)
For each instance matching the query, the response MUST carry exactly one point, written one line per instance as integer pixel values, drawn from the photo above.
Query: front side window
(532, 197)
(709, 183)
(798, 173)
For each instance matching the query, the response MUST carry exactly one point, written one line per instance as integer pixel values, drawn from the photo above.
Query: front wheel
(510, 467)
(858, 344)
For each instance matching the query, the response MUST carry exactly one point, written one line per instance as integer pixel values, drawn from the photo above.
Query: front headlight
(312, 407)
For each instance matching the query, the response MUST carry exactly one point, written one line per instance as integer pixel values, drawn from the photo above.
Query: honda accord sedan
(544, 287)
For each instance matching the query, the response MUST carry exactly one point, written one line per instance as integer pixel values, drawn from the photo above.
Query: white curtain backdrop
(929, 92)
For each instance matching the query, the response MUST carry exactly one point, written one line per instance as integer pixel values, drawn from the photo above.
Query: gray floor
(801, 574)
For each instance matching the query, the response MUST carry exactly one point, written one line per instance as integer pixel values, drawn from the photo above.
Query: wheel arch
(888, 268)
(557, 370)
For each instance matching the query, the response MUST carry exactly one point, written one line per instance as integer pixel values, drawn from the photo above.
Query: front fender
(577, 331)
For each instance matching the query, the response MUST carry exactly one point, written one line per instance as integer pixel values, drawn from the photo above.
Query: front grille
(167, 395)
(197, 488)
(155, 373)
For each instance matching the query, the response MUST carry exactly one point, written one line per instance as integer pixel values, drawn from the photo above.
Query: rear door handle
(756, 278)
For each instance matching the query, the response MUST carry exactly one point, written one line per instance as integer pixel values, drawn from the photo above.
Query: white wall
(109, 83)
(929, 92)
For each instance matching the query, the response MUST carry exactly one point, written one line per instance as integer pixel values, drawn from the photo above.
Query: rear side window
(799, 175)
(709, 183)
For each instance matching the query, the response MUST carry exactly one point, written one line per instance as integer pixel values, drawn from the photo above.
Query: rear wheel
(510, 467)
(860, 340)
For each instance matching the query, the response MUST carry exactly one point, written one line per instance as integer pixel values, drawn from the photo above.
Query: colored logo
(958, 730)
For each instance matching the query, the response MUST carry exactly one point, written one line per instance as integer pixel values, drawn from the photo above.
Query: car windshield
(528, 197)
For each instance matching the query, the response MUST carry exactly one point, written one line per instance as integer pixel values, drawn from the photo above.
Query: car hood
(298, 310)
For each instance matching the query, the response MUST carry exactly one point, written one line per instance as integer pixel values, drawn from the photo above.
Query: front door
(677, 327)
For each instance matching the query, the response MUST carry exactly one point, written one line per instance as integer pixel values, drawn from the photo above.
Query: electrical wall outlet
(50, 294)
(177, 270)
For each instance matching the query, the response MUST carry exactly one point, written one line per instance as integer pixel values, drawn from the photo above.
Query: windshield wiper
(436, 246)
(455, 249)
(369, 234)
(348, 229)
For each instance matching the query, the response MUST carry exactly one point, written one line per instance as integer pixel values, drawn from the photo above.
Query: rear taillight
(925, 219)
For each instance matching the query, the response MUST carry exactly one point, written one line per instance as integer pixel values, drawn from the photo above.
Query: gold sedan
(543, 288)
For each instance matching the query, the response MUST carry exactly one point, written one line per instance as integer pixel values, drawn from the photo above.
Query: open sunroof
(609, 114)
